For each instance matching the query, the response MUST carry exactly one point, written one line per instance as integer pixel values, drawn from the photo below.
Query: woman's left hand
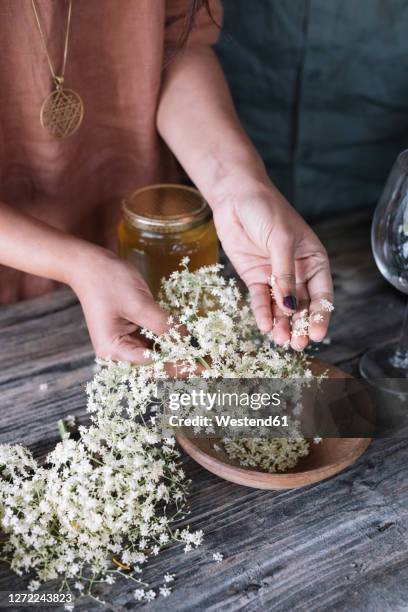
(263, 235)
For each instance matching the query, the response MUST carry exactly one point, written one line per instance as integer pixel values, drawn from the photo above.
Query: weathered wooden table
(338, 545)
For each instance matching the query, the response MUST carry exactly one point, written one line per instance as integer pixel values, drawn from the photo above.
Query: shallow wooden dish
(329, 457)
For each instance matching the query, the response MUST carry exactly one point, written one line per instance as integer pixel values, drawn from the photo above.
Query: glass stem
(400, 359)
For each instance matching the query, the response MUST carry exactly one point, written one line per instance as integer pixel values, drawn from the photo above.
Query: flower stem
(62, 428)
(203, 362)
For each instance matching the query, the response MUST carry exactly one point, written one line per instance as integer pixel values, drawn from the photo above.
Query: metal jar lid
(165, 208)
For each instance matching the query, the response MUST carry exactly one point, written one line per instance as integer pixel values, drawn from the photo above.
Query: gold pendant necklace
(62, 110)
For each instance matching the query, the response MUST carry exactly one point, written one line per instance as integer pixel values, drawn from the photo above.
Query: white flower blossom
(150, 595)
(165, 591)
(218, 557)
(168, 578)
(326, 305)
(139, 594)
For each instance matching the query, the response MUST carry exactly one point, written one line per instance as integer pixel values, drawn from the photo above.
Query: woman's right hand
(116, 302)
(265, 237)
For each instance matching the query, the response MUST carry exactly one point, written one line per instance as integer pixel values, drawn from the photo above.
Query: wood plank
(341, 544)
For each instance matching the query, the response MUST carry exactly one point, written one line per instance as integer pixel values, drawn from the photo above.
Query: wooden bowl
(329, 457)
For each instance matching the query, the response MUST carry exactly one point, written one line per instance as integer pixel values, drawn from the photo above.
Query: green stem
(203, 362)
(62, 428)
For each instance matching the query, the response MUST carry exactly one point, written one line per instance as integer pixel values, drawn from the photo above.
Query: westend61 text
(227, 421)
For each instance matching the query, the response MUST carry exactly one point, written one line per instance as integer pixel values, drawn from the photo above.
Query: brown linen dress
(115, 62)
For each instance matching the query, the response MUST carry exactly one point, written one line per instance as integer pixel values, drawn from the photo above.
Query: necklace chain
(59, 79)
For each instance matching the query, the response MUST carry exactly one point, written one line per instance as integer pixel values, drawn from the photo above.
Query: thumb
(147, 313)
(131, 350)
(284, 275)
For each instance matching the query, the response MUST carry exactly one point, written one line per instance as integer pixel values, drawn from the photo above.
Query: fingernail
(290, 302)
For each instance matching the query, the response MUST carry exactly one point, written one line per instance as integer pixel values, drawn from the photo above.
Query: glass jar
(161, 225)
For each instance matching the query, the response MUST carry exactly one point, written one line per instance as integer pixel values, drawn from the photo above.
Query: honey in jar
(161, 225)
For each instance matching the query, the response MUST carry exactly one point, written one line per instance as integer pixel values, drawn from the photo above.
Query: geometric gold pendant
(62, 112)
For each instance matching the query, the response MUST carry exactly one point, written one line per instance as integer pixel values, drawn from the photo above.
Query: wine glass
(386, 366)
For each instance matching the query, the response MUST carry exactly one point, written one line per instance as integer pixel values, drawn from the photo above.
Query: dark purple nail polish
(290, 302)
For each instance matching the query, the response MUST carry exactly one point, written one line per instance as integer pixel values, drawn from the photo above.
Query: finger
(126, 348)
(261, 303)
(281, 328)
(320, 287)
(284, 275)
(299, 340)
(320, 317)
(146, 313)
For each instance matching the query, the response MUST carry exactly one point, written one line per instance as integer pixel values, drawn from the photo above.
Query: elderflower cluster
(213, 325)
(214, 333)
(268, 455)
(302, 322)
(102, 504)
(300, 326)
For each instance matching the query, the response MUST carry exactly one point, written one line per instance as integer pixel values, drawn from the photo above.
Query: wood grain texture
(338, 545)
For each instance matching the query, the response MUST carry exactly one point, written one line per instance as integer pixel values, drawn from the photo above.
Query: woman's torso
(115, 60)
